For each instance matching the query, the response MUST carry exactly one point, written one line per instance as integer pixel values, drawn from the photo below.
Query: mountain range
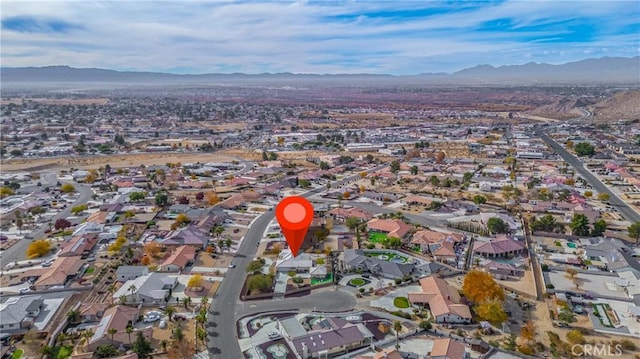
(600, 70)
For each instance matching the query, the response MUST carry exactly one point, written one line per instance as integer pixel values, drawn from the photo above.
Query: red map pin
(295, 215)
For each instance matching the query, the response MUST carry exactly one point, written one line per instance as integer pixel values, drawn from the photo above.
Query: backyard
(376, 237)
(388, 256)
(327, 279)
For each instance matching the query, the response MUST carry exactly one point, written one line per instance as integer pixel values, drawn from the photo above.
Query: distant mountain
(606, 69)
(602, 70)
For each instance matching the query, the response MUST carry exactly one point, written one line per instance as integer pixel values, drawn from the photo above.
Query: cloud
(312, 36)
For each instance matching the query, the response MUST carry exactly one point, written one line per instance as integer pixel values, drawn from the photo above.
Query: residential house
(119, 318)
(179, 259)
(500, 247)
(446, 348)
(190, 235)
(355, 259)
(92, 312)
(380, 196)
(391, 227)
(150, 289)
(61, 271)
(125, 273)
(18, 313)
(427, 237)
(415, 200)
(443, 301)
(302, 263)
(341, 214)
(79, 245)
(330, 337)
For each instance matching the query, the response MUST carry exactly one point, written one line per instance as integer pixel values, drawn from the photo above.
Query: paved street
(17, 251)
(628, 212)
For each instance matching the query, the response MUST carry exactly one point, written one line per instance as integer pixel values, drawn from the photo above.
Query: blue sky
(393, 37)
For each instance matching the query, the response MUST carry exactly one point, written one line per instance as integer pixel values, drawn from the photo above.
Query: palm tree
(228, 243)
(123, 299)
(221, 245)
(397, 327)
(111, 289)
(170, 311)
(129, 331)
(87, 334)
(163, 344)
(201, 334)
(46, 350)
(204, 301)
(132, 289)
(73, 316)
(201, 318)
(186, 301)
(353, 223)
(111, 332)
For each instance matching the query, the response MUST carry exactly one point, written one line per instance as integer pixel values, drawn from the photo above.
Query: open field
(115, 161)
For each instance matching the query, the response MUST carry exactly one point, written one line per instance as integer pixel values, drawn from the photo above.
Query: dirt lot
(119, 160)
(222, 261)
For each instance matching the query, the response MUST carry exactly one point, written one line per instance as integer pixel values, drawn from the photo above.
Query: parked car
(274, 335)
(232, 265)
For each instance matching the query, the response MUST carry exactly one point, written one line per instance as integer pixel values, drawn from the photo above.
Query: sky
(379, 37)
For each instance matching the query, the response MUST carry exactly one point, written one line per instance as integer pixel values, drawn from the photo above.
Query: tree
(132, 288)
(6, 191)
(397, 327)
(394, 167)
(255, 266)
(571, 272)
(212, 198)
(46, 350)
(575, 337)
(599, 227)
(584, 149)
(199, 196)
(67, 188)
(37, 211)
(491, 311)
(634, 231)
(435, 181)
(304, 183)
(186, 301)
(182, 219)
(195, 281)
(497, 225)
(466, 178)
(152, 249)
(106, 351)
(201, 334)
(353, 223)
(161, 199)
(479, 286)
(38, 248)
(425, 325)
(440, 157)
(112, 332)
(479, 199)
(588, 194)
(259, 282)
(414, 170)
(142, 346)
(129, 330)
(61, 223)
(78, 209)
(546, 223)
(565, 315)
(603, 197)
(528, 331)
(73, 316)
(579, 225)
(170, 311)
(136, 196)
(510, 342)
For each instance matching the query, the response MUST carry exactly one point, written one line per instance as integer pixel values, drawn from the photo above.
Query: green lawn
(17, 354)
(401, 302)
(327, 279)
(90, 270)
(62, 352)
(356, 282)
(377, 237)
